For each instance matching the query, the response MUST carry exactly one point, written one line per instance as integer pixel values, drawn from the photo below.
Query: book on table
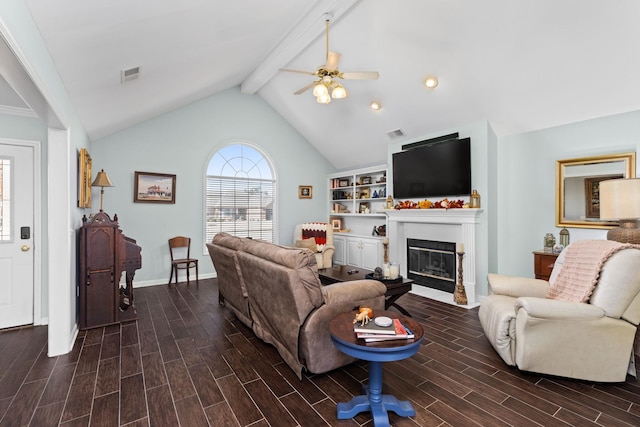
(398, 331)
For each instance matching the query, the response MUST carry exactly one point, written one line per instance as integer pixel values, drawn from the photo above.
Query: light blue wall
(182, 142)
(526, 182)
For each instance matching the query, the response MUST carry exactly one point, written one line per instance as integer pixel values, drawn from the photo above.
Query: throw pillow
(308, 244)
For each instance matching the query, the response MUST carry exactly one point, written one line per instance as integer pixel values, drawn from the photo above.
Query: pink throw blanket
(580, 270)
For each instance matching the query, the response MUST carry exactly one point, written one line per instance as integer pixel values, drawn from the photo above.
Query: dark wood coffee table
(341, 273)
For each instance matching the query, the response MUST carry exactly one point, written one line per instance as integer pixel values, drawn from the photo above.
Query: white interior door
(16, 235)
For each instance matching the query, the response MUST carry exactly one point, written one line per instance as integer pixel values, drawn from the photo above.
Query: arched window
(240, 194)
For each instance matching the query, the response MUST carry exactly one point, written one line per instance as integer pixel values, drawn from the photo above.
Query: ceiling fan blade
(289, 70)
(305, 88)
(360, 75)
(333, 59)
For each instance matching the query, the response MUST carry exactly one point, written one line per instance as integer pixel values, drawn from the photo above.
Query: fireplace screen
(432, 263)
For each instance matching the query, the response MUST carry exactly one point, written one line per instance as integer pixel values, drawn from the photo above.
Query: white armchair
(590, 340)
(318, 237)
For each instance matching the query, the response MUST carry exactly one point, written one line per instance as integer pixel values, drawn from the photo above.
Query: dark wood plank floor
(189, 362)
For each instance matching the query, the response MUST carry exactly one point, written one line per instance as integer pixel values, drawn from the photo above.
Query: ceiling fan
(327, 85)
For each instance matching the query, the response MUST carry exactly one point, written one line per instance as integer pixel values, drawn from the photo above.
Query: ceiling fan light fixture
(319, 90)
(339, 92)
(375, 105)
(431, 82)
(323, 99)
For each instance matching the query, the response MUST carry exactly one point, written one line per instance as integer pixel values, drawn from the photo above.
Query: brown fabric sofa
(275, 290)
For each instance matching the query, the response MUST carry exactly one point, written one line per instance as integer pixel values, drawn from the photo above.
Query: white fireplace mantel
(450, 225)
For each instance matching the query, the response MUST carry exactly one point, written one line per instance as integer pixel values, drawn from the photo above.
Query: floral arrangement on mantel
(428, 204)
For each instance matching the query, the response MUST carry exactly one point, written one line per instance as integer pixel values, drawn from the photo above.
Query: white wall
(526, 182)
(182, 142)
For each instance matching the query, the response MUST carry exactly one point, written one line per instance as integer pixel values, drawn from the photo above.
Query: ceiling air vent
(130, 74)
(393, 134)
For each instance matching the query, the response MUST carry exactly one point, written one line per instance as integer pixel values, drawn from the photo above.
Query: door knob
(25, 248)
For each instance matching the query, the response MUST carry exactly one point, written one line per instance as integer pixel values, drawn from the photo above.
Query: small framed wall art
(84, 179)
(336, 224)
(305, 192)
(151, 187)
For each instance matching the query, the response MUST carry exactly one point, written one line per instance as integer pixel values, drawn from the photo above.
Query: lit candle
(461, 247)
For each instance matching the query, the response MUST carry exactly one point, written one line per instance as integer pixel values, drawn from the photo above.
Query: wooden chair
(178, 246)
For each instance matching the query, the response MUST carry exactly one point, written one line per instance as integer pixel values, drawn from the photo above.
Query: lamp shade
(620, 199)
(102, 180)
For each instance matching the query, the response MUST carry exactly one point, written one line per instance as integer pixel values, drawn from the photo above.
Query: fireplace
(432, 264)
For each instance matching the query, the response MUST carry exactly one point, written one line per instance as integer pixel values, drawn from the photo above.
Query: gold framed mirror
(577, 187)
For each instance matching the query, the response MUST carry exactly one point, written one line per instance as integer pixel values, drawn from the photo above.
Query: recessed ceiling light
(375, 105)
(431, 82)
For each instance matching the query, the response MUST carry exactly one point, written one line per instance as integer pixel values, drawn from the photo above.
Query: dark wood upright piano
(104, 254)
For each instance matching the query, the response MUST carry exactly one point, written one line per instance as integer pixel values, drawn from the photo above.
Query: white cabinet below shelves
(340, 253)
(363, 252)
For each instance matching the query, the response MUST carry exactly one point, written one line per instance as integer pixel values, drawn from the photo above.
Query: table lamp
(620, 200)
(102, 180)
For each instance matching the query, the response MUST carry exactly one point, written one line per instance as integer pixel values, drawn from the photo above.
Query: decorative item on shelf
(375, 194)
(365, 180)
(475, 200)
(564, 237)
(549, 242)
(557, 248)
(336, 224)
(389, 203)
(425, 204)
(379, 230)
(378, 273)
(364, 208)
(102, 180)
(620, 200)
(460, 295)
(364, 193)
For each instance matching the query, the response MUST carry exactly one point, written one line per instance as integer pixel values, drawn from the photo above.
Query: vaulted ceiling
(521, 65)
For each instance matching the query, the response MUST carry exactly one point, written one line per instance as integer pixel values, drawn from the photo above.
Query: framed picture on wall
(84, 179)
(336, 224)
(305, 192)
(151, 187)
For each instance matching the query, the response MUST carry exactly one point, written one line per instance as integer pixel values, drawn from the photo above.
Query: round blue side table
(343, 337)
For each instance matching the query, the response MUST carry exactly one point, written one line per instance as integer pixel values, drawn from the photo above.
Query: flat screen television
(435, 169)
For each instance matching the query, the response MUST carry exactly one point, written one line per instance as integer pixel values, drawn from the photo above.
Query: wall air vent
(393, 134)
(129, 74)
